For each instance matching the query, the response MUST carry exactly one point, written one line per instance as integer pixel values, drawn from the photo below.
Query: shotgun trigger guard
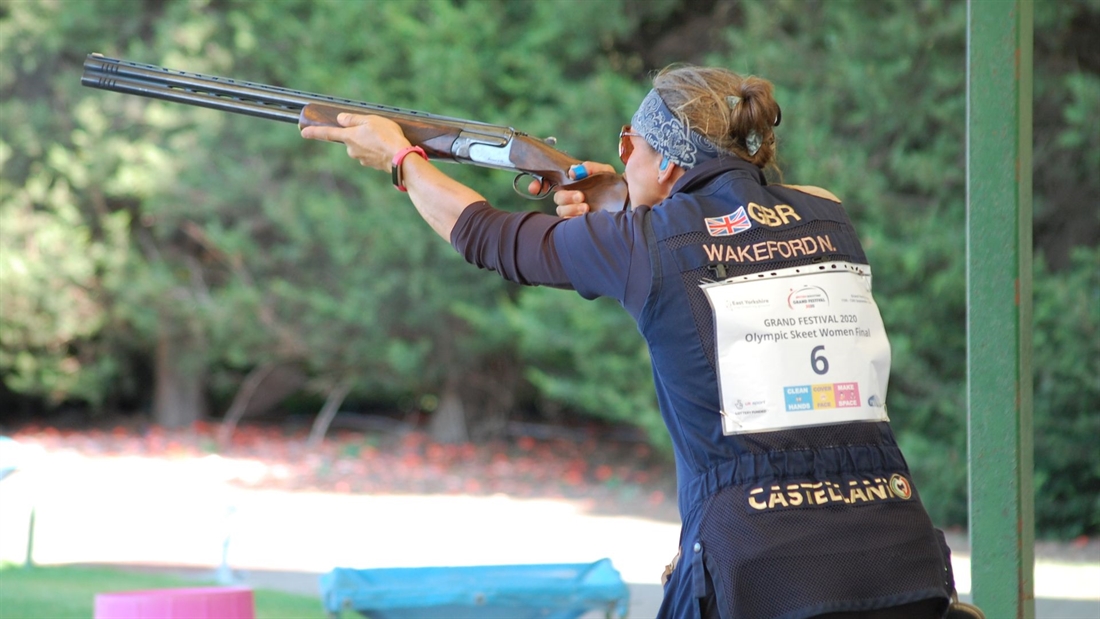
(526, 194)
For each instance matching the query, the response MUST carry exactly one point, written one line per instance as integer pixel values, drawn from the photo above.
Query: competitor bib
(798, 347)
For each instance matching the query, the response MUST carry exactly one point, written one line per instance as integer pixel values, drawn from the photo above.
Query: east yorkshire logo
(728, 225)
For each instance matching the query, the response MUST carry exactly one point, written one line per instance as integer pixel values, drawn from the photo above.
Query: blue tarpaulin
(549, 591)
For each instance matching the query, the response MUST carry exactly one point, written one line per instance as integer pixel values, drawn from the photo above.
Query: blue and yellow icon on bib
(798, 398)
(823, 396)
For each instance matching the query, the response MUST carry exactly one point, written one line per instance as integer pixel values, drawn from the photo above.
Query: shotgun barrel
(248, 98)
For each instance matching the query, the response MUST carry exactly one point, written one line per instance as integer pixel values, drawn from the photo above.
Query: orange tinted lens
(625, 145)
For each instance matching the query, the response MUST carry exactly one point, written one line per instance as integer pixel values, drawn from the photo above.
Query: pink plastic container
(198, 603)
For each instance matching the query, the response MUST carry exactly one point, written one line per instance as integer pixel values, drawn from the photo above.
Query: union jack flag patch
(727, 225)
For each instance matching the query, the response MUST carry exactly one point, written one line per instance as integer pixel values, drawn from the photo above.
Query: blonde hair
(724, 107)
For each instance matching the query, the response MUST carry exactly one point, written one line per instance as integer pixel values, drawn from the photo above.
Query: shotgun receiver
(442, 137)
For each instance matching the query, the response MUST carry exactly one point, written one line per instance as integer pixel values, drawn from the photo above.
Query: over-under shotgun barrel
(237, 96)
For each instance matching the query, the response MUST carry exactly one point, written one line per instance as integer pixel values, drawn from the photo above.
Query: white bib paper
(799, 346)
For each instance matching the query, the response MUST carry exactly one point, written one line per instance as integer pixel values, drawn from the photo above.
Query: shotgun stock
(443, 138)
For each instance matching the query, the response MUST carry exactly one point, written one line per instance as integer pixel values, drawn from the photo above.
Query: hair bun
(735, 113)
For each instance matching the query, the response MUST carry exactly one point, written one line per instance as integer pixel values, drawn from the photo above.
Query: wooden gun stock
(603, 192)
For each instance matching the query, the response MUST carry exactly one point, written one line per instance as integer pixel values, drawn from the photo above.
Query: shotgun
(443, 138)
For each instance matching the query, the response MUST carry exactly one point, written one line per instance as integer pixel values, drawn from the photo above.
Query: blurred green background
(154, 257)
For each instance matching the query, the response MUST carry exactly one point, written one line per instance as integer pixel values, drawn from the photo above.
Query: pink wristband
(398, 159)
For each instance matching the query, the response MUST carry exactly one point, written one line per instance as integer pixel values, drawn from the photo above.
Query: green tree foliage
(66, 187)
(587, 356)
(51, 315)
(145, 243)
(1067, 389)
(1066, 148)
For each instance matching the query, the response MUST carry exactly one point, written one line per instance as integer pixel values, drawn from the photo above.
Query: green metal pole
(1002, 494)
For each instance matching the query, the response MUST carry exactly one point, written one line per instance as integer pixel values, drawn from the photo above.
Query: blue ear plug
(664, 163)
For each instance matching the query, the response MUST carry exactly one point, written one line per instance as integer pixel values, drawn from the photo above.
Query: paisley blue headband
(668, 136)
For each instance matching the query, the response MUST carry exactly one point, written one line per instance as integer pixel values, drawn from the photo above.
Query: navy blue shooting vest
(781, 524)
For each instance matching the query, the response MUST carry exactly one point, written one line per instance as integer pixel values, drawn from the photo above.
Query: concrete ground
(188, 516)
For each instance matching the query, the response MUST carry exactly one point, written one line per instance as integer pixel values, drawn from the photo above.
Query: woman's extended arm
(373, 141)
